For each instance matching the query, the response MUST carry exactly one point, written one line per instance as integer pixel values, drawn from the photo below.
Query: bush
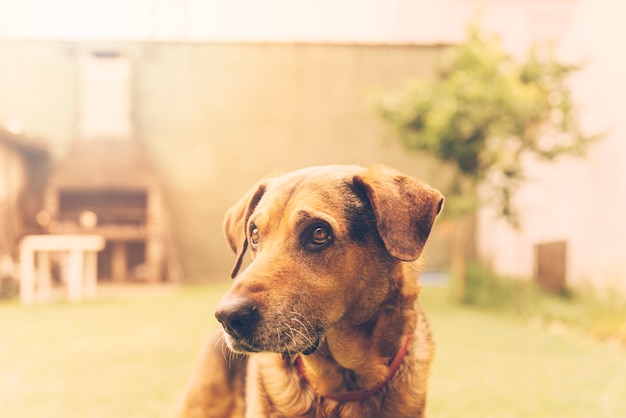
(602, 315)
(489, 290)
(9, 287)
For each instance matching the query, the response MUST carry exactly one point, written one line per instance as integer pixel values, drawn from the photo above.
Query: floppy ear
(235, 224)
(404, 207)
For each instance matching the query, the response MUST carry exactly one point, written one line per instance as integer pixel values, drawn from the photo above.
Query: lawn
(131, 356)
(501, 366)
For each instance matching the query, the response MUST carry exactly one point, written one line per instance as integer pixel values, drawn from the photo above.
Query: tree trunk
(460, 253)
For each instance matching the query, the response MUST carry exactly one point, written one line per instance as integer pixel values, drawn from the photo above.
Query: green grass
(107, 358)
(131, 357)
(490, 365)
(602, 315)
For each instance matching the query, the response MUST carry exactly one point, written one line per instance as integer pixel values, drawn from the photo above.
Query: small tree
(482, 114)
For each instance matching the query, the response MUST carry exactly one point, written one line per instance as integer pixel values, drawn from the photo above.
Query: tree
(483, 114)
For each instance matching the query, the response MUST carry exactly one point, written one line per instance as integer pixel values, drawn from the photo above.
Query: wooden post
(75, 275)
(43, 275)
(118, 261)
(27, 275)
(90, 272)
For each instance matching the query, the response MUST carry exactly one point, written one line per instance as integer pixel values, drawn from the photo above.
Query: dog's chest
(320, 407)
(331, 409)
(280, 392)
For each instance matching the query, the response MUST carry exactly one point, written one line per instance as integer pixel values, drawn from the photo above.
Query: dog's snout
(239, 318)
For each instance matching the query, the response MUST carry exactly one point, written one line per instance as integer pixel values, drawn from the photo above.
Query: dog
(325, 319)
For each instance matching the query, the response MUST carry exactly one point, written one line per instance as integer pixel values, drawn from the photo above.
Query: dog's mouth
(311, 349)
(242, 345)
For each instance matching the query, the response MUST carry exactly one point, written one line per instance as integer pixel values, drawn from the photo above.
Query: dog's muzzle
(242, 321)
(239, 319)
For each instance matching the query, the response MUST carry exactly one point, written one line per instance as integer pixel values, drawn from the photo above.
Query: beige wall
(580, 201)
(216, 117)
(38, 87)
(219, 117)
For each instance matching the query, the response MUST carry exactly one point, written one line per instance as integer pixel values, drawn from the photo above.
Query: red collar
(360, 395)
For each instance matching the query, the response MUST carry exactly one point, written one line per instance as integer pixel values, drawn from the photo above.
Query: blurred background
(143, 121)
(129, 127)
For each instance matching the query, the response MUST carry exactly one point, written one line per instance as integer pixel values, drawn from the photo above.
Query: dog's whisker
(305, 322)
(291, 335)
(306, 337)
(228, 354)
(278, 334)
(221, 341)
(305, 328)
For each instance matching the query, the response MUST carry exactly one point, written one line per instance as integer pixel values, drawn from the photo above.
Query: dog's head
(326, 243)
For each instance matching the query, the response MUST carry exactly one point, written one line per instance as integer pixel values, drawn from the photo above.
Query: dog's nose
(238, 317)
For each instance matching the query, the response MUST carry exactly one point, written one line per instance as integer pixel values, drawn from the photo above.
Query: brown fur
(353, 298)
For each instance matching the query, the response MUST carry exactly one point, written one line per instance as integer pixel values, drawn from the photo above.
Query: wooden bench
(79, 270)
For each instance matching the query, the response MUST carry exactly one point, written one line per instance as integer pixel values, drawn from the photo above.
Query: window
(104, 96)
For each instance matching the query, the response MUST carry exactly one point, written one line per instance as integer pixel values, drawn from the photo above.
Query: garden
(131, 355)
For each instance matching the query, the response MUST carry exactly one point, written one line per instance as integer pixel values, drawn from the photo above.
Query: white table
(79, 272)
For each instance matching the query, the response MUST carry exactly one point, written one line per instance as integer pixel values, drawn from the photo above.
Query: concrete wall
(216, 117)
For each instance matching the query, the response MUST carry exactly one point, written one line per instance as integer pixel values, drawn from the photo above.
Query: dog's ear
(235, 223)
(404, 207)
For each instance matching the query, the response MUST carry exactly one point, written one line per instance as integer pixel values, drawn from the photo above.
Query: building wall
(220, 117)
(579, 201)
(38, 88)
(216, 117)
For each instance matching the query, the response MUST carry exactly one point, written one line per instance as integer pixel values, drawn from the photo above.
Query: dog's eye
(254, 236)
(317, 237)
(320, 235)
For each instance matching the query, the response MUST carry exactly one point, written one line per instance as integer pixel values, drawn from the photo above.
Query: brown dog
(328, 304)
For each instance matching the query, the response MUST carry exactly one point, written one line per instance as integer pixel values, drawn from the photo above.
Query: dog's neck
(356, 359)
(355, 395)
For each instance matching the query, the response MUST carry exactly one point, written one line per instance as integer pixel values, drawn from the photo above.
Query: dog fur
(325, 305)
